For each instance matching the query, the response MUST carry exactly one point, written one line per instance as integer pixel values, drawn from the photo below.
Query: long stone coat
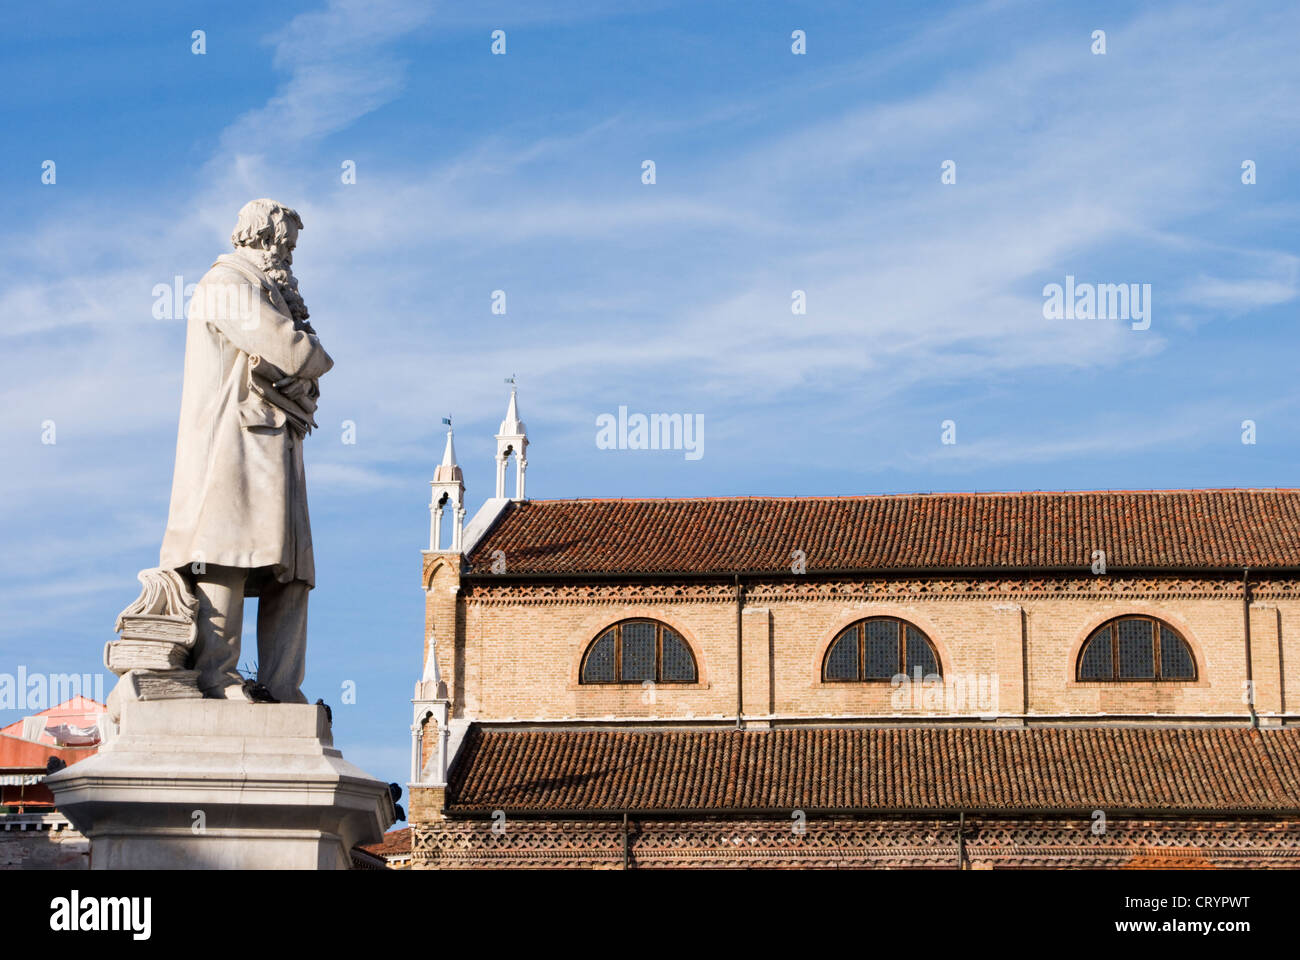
(239, 495)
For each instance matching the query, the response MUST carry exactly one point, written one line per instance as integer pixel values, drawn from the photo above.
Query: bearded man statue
(238, 524)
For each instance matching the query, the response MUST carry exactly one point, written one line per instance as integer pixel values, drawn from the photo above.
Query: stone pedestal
(203, 784)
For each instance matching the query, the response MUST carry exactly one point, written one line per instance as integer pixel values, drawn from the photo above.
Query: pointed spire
(449, 454)
(448, 471)
(511, 426)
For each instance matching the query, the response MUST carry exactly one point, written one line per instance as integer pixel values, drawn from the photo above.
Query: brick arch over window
(1135, 647)
(637, 650)
(879, 648)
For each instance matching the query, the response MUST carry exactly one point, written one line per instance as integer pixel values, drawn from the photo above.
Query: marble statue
(185, 777)
(238, 524)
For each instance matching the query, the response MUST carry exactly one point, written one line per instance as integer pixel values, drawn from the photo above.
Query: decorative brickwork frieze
(995, 843)
(886, 588)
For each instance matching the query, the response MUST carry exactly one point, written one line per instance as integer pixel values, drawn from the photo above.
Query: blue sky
(522, 172)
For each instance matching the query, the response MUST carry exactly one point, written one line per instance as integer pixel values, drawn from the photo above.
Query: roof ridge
(933, 493)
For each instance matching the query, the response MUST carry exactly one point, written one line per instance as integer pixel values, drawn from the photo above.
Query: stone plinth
(219, 784)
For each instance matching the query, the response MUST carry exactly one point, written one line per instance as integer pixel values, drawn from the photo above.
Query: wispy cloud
(338, 71)
(1241, 295)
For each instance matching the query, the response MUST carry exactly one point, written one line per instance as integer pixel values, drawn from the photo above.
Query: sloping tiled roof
(395, 843)
(1177, 529)
(887, 769)
(80, 711)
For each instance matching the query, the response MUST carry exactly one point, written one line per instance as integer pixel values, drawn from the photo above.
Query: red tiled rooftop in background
(80, 710)
(1175, 529)
(926, 769)
(395, 843)
(17, 754)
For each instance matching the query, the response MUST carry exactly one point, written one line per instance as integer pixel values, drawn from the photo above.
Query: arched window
(1136, 648)
(634, 651)
(879, 648)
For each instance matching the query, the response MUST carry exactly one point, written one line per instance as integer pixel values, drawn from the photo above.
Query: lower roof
(395, 843)
(919, 769)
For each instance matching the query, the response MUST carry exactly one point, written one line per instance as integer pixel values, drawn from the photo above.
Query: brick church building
(961, 681)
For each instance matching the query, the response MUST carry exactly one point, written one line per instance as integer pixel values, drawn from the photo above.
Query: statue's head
(272, 229)
(270, 226)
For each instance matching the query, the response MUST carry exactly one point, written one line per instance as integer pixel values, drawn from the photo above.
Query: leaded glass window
(599, 666)
(635, 651)
(1136, 648)
(678, 664)
(881, 656)
(1097, 662)
(1176, 661)
(920, 655)
(879, 648)
(638, 652)
(842, 660)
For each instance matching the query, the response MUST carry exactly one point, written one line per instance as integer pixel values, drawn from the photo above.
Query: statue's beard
(281, 274)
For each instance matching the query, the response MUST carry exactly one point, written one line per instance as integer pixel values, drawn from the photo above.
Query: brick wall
(514, 650)
(426, 804)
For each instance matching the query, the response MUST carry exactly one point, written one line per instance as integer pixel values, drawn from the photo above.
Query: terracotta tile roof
(1176, 529)
(80, 711)
(895, 769)
(395, 843)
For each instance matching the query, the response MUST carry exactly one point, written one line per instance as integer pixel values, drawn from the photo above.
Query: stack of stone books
(156, 637)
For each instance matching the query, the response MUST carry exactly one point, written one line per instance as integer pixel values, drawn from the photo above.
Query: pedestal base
(217, 784)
